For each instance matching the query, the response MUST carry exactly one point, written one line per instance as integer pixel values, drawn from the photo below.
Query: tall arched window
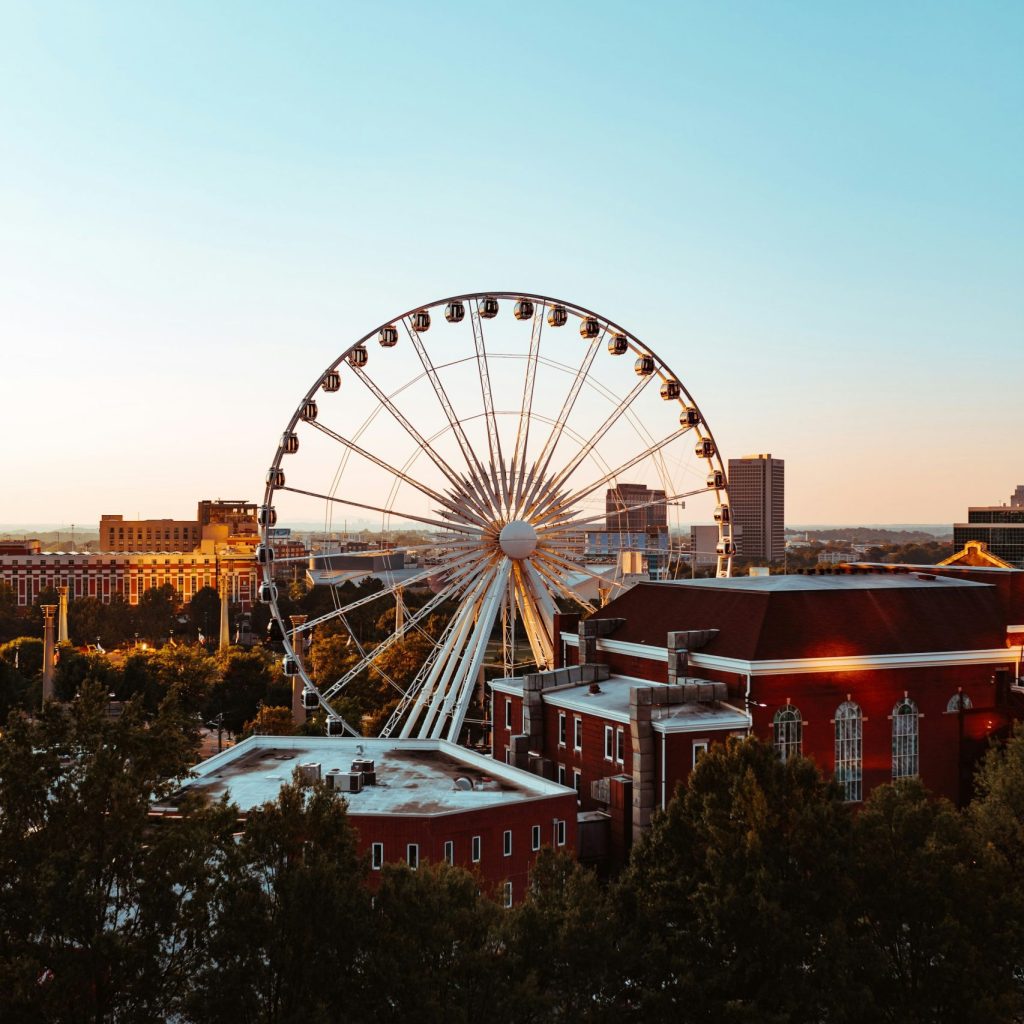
(904, 739)
(789, 732)
(959, 702)
(849, 749)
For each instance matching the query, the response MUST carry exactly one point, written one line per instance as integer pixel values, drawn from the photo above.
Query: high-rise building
(1000, 527)
(757, 495)
(635, 508)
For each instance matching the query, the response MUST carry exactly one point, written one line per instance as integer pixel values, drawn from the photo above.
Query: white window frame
(906, 739)
(507, 895)
(412, 855)
(474, 848)
(700, 748)
(506, 842)
(559, 832)
(561, 774)
(609, 743)
(620, 745)
(577, 734)
(788, 732)
(849, 750)
(577, 782)
(535, 838)
(508, 713)
(449, 851)
(561, 729)
(376, 856)
(960, 701)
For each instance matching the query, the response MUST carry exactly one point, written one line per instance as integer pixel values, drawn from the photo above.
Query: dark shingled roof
(768, 617)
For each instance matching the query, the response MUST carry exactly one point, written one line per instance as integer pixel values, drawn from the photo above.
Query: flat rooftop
(613, 700)
(842, 581)
(414, 777)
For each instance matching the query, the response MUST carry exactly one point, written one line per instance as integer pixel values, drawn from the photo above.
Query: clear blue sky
(812, 210)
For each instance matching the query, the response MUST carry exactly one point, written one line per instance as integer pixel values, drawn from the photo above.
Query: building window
(609, 743)
(577, 780)
(412, 855)
(788, 727)
(959, 702)
(620, 745)
(508, 755)
(508, 712)
(700, 748)
(449, 851)
(507, 894)
(559, 833)
(376, 856)
(849, 722)
(475, 850)
(507, 842)
(561, 774)
(904, 739)
(561, 728)
(577, 734)
(535, 838)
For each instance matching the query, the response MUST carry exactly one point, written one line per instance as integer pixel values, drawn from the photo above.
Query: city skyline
(813, 216)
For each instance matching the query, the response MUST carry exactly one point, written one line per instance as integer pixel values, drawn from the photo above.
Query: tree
(204, 612)
(561, 945)
(735, 899)
(104, 917)
(155, 613)
(11, 619)
(246, 679)
(928, 942)
(432, 929)
(270, 721)
(290, 917)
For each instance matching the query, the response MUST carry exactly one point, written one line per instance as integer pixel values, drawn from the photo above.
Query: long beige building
(232, 520)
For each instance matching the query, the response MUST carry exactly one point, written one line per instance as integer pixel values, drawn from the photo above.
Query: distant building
(610, 542)
(999, 527)
(704, 542)
(223, 521)
(757, 496)
(635, 508)
(411, 801)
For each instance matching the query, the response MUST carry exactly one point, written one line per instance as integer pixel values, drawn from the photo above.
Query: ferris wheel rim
(660, 369)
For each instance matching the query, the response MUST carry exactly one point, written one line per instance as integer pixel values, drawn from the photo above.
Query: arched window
(789, 732)
(849, 749)
(904, 739)
(959, 702)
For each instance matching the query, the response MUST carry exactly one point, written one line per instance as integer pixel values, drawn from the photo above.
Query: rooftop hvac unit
(365, 766)
(349, 782)
(310, 772)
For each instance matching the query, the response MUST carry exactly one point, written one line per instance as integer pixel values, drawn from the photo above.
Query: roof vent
(595, 687)
(926, 575)
(463, 785)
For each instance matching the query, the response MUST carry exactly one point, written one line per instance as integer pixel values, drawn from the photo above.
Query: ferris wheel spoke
(448, 591)
(400, 476)
(475, 468)
(544, 459)
(577, 460)
(538, 613)
(574, 567)
(444, 525)
(577, 496)
(518, 466)
(569, 524)
(553, 575)
(458, 482)
(499, 478)
(441, 663)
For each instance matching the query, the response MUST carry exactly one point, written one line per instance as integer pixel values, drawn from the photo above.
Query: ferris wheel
(527, 453)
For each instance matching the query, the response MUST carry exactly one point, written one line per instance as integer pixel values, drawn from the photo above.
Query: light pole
(49, 648)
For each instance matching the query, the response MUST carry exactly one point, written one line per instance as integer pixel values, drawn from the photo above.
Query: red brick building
(875, 675)
(419, 801)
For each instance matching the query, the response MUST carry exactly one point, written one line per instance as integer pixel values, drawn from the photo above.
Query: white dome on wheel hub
(518, 539)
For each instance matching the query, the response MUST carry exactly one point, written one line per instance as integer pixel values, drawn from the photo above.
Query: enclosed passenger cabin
(523, 309)
(589, 327)
(264, 554)
(290, 665)
(266, 515)
(421, 321)
(725, 547)
(670, 389)
(275, 477)
(331, 381)
(488, 307)
(310, 700)
(704, 448)
(689, 417)
(335, 727)
(358, 356)
(267, 592)
(557, 316)
(722, 514)
(388, 336)
(289, 442)
(455, 312)
(618, 345)
(644, 365)
(716, 479)
(308, 410)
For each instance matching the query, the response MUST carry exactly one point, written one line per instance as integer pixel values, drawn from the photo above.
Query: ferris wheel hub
(518, 539)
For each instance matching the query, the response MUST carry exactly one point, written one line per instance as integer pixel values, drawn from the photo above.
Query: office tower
(757, 495)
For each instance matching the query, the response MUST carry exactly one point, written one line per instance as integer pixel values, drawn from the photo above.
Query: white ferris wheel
(529, 442)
